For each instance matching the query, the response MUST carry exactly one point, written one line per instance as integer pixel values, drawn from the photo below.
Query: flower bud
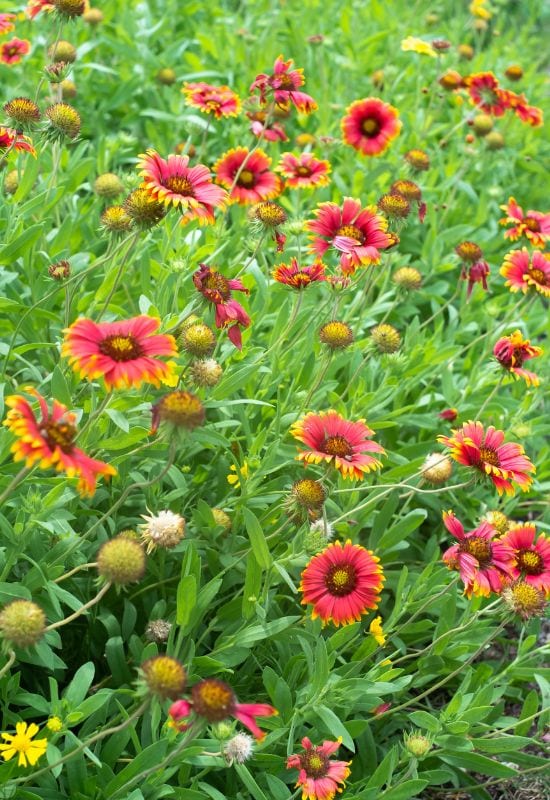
(514, 72)
(497, 520)
(68, 89)
(22, 623)
(60, 270)
(222, 519)
(386, 338)
(417, 744)
(93, 17)
(206, 372)
(108, 185)
(62, 51)
(494, 141)
(11, 181)
(121, 561)
(115, 220)
(482, 124)
(198, 339)
(408, 277)
(437, 468)
(158, 630)
(180, 409)
(166, 76)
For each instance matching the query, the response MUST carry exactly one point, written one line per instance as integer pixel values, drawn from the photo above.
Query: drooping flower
(534, 225)
(449, 413)
(254, 180)
(23, 744)
(483, 561)
(10, 139)
(319, 776)
(504, 463)
(475, 273)
(344, 444)
(220, 101)
(357, 233)
(6, 23)
(215, 701)
(298, 277)
(173, 182)
(532, 115)
(34, 7)
(415, 45)
(217, 289)
(49, 441)
(370, 125)
(532, 555)
(123, 353)
(525, 272)
(283, 85)
(485, 93)
(304, 171)
(268, 216)
(262, 123)
(512, 351)
(342, 583)
(13, 51)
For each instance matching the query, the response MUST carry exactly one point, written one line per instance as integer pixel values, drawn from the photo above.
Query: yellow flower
(477, 8)
(54, 724)
(22, 742)
(418, 46)
(375, 628)
(240, 472)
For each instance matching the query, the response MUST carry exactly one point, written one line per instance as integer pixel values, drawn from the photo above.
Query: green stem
(13, 483)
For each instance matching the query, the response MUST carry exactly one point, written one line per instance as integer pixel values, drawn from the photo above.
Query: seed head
(22, 111)
(121, 561)
(394, 205)
(269, 214)
(22, 623)
(498, 521)
(482, 124)
(165, 530)
(309, 493)
(108, 185)
(198, 339)
(524, 599)
(408, 277)
(64, 121)
(144, 210)
(166, 76)
(70, 8)
(451, 80)
(418, 160)
(62, 51)
(386, 338)
(495, 141)
(115, 219)
(514, 72)
(437, 468)
(180, 409)
(11, 181)
(222, 519)
(93, 17)
(68, 89)
(238, 749)
(164, 677)
(60, 270)
(465, 51)
(336, 335)
(409, 189)
(158, 630)
(417, 744)
(469, 252)
(206, 372)
(377, 78)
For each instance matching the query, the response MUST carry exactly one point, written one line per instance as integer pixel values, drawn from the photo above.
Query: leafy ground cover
(274, 492)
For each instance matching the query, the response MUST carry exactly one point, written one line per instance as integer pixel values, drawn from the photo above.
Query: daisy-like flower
(483, 561)
(485, 93)
(357, 233)
(415, 45)
(512, 351)
(304, 171)
(123, 353)
(532, 556)
(283, 85)
(23, 744)
(6, 23)
(298, 277)
(173, 182)
(220, 101)
(526, 272)
(412, 192)
(486, 451)
(215, 701)
(534, 225)
(532, 115)
(255, 182)
(49, 441)
(34, 7)
(344, 444)
(10, 139)
(370, 125)
(342, 583)
(13, 51)
(319, 776)
(217, 289)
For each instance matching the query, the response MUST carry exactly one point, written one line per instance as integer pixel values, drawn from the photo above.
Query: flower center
(121, 348)
(285, 83)
(246, 179)
(531, 224)
(479, 548)
(301, 279)
(538, 276)
(337, 446)
(179, 185)
(352, 232)
(213, 699)
(341, 579)
(527, 597)
(217, 287)
(21, 743)
(370, 127)
(530, 562)
(303, 172)
(489, 456)
(314, 764)
(60, 434)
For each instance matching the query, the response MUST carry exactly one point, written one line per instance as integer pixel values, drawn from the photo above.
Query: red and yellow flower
(370, 125)
(283, 84)
(13, 51)
(247, 175)
(6, 23)
(338, 441)
(34, 7)
(215, 701)
(342, 583)
(49, 441)
(10, 139)
(485, 93)
(357, 233)
(532, 555)
(504, 463)
(262, 125)
(483, 561)
(304, 171)
(173, 182)
(319, 776)
(525, 272)
(512, 352)
(220, 101)
(124, 353)
(298, 277)
(534, 225)
(217, 289)
(532, 115)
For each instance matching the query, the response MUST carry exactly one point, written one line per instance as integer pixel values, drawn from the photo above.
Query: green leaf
(257, 539)
(249, 782)
(334, 725)
(81, 682)
(477, 763)
(148, 758)
(530, 707)
(60, 388)
(186, 597)
(405, 790)
(384, 770)
(401, 529)
(22, 243)
(425, 720)
(501, 744)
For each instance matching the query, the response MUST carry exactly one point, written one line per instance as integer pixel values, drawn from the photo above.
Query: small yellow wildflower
(418, 46)
(22, 742)
(54, 724)
(239, 472)
(477, 9)
(376, 630)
